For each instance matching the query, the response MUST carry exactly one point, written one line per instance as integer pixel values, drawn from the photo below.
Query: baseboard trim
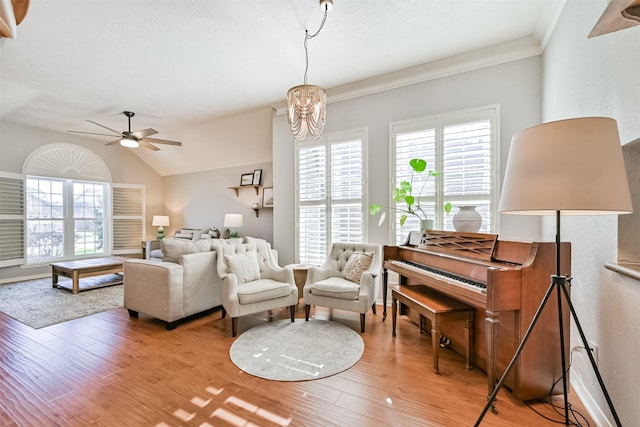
(588, 401)
(24, 278)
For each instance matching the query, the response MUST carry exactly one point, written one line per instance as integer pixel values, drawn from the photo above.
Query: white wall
(18, 141)
(598, 77)
(515, 86)
(201, 199)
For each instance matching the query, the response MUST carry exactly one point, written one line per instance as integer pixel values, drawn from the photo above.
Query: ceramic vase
(467, 219)
(426, 224)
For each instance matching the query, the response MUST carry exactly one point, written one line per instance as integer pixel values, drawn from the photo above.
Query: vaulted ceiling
(181, 63)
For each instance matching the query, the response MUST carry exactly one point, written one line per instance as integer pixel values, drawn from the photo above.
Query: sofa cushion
(173, 249)
(357, 264)
(262, 290)
(244, 266)
(336, 287)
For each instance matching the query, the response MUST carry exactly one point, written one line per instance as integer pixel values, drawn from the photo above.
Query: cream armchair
(251, 281)
(350, 279)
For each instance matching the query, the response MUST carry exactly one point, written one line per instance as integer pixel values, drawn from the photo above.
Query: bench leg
(435, 343)
(394, 313)
(468, 325)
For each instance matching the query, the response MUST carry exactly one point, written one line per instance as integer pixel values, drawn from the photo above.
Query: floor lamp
(568, 167)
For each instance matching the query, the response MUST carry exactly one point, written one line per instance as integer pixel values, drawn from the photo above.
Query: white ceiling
(177, 63)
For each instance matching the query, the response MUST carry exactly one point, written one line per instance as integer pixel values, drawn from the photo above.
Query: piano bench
(436, 307)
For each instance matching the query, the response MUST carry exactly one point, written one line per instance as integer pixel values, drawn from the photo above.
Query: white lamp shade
(233, 220)
(160, 221)
(573, 166)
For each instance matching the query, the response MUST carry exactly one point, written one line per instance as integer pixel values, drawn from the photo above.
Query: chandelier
(307, 103)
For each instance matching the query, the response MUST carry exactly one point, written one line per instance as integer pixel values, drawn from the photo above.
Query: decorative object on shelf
(246, 179)
(467, 219)
(405, 193)
(257, 176)
(568, 167)
(307, 103)
(256, 208)
(232, 221)
(267, 197)
(160, 221)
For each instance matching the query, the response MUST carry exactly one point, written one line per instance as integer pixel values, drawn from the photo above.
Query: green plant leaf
(418, 165)
(409, 199)
(374, 209)
(406, 186)
(447, 207)
(398, 194)
(403, 218)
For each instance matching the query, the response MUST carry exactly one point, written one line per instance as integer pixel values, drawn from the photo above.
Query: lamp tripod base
(559, 285)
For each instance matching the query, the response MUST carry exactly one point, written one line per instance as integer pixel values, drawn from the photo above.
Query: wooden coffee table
(75, 270)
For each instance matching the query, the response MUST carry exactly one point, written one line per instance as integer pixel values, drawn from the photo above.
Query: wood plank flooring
(110, 370)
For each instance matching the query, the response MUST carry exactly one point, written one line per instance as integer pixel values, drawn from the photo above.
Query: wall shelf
(257, 210)
(238, 188)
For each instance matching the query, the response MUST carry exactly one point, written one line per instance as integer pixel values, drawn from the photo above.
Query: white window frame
(326, 141)
(69, 221)
(439, 121)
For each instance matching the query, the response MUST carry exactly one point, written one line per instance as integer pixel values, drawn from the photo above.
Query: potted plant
(404, 193)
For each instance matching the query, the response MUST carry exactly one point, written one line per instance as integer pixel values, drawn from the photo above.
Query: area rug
(37, 304)
(298, 351)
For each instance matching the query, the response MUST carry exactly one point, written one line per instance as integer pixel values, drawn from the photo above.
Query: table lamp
(232, 221)
(566, 167)
(160, 221)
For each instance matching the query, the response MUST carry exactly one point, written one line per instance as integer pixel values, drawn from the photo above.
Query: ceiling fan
(132, 139)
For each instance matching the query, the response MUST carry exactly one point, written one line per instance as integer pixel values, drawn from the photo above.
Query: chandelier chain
(307, 37)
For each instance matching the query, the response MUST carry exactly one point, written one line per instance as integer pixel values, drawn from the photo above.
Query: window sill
(628, 269)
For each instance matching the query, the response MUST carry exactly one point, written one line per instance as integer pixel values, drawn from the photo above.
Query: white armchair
(251, 281)
(350, 279)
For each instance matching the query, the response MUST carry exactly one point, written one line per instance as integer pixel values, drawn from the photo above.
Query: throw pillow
(244, 266)
(173, 249)
(357, 264)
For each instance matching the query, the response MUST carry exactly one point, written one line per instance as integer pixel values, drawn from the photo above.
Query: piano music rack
(473, 245)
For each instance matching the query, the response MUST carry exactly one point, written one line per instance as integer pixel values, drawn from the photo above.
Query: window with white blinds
(12, 216)
(463, 148)
(330, 179)
(128, 205)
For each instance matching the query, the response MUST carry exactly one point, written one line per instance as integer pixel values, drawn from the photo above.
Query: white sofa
(183, 284)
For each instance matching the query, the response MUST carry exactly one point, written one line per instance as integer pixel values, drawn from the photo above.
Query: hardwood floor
(109, 370)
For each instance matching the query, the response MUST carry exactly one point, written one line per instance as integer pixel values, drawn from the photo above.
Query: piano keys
(505, 282)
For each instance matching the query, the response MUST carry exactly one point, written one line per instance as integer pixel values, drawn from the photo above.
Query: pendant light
(307, 103)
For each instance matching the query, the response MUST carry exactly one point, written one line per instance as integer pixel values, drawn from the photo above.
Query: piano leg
(469, 335)
(435, 343)
(493, 328)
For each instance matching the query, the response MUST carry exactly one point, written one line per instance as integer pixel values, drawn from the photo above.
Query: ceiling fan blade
(145, 144)
(144, 133)
(102, 126)
(113, 142)
(163, 141)
(90, 133)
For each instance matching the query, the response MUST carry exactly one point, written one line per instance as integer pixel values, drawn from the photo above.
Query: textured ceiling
(180, 63)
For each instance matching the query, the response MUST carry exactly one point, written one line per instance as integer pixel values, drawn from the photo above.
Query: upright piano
(505, 281)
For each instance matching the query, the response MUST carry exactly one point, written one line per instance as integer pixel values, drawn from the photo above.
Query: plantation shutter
(312, 211)
(346, 191)
(128, 206)
(467, 167)
(330, 189)
(12, 219)
(462, 148)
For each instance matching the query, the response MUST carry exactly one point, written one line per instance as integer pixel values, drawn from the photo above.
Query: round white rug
(298, 351)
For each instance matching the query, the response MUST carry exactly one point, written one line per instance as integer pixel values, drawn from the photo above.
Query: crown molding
(487, 57)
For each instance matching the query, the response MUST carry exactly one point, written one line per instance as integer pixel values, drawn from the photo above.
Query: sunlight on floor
(230, 411)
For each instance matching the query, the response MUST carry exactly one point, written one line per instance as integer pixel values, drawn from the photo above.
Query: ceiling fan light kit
(130, 139)
(307, 104)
